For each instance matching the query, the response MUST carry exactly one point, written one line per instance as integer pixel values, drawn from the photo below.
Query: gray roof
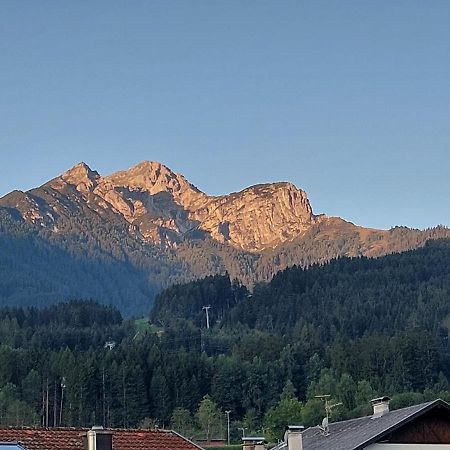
(356, 434)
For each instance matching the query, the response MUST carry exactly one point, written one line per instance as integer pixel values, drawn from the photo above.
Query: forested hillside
(346, 298)
(354, 328)
(39, 268)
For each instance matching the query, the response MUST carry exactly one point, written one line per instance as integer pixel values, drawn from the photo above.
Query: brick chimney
(97, 438)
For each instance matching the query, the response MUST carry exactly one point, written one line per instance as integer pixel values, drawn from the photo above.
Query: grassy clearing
(144, 326)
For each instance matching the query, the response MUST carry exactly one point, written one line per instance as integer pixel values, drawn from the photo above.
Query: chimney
(97, 438)
(253, 443)
(380, 406)
(293, 437)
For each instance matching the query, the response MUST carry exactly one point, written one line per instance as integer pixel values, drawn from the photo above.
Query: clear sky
(349, 100)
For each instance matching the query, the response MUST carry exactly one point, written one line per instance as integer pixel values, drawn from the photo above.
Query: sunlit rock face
(163, 207)
(258, 217)
(82, 177)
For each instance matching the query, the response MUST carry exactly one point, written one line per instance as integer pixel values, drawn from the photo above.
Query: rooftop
(355, 434)
(72, 439)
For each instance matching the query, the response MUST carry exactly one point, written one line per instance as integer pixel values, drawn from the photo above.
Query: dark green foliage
(352, 297)
(187, 300)
(354, 329)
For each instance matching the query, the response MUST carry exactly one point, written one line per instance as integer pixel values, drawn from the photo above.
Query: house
(420, 427)
(96, 438)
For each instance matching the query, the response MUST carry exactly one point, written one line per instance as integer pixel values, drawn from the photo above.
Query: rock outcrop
(258, 217)
(82, 177)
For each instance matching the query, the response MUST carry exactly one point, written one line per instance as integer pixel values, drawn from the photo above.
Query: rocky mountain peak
(152, 177)
(277, 188)
(258, 217)
(82, 177)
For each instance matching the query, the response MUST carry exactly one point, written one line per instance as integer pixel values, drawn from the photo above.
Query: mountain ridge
(164, 205)
(149, 228)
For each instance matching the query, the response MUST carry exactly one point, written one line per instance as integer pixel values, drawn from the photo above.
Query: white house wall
(408, 447)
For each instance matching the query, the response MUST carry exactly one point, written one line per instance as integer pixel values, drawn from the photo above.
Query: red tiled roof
(72, 439)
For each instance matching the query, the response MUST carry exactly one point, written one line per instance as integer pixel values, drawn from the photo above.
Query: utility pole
(228, 426)
(63, 386)
(55, 407)
(46, 405)
(206, 309)
(125, 415)
(43, 407)
(104, 398)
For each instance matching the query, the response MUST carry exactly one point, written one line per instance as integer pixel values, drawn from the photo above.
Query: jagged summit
(150, 169)
(148, 166)
(80, 168)
(81, 176)
(153, 177)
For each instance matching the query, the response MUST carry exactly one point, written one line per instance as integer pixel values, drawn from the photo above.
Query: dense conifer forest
(353, 328)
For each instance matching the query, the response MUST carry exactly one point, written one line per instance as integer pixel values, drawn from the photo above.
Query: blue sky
(350, 100)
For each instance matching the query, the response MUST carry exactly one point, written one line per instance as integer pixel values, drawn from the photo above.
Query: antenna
(325, 426)
(206, 309)
(325, 429)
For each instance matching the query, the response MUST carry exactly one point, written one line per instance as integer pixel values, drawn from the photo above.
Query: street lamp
(228, 426)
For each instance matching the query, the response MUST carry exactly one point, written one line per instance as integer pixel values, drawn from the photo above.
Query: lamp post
(228, 426)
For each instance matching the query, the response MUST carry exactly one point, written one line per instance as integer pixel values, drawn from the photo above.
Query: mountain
(162, 207)
(123, 237)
